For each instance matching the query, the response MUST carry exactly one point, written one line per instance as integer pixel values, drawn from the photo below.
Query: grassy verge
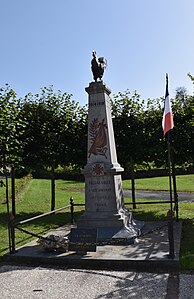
(34, 197)
(184, 183)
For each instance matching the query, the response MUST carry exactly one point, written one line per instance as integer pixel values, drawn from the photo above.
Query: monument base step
(126, 234)
(100, 220)
(115, 235)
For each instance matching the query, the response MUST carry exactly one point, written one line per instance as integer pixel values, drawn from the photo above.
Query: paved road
(162, 195)
(17, 282)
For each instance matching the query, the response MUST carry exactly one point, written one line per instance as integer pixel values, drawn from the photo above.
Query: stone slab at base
(150, 253)
(128, 233)
(102, 219)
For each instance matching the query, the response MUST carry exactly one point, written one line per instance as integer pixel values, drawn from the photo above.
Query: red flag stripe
(168, 122)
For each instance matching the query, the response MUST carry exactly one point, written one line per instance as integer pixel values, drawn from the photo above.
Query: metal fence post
(12, 233)
(13, 213)
(8, 213)
(72, 209)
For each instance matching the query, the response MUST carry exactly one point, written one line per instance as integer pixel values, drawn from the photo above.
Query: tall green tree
(127, 112)
(49, 118)
(154, 146)
(183, 132)
(78, 138)
(11, 127)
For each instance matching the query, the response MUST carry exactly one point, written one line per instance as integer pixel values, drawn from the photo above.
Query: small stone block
(82, 239)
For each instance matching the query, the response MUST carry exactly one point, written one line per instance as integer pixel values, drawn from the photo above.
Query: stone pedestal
(103, 184)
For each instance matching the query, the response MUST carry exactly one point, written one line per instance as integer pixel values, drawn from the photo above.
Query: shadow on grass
(57, 218)
(148, 215)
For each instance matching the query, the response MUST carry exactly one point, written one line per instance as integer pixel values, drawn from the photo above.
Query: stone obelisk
(104, 200)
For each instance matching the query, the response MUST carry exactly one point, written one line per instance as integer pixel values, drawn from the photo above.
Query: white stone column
(103, 183)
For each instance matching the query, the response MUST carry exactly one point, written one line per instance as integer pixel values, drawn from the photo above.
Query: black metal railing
(15, 225)
(72, 204)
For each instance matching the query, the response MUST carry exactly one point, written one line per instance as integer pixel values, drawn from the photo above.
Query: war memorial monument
(104, 201)
(106, 228)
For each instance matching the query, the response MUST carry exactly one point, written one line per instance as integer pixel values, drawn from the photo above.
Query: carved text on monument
(99, 182)
(100, 191)
(96, 104)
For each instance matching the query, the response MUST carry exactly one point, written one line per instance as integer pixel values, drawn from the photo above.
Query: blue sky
(49, 42)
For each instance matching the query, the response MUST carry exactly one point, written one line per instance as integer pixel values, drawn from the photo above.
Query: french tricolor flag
(167, 121)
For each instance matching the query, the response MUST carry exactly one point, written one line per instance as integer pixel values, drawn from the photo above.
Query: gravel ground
(28, 282)
(186, 287)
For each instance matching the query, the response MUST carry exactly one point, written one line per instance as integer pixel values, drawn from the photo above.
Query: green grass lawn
(34, 197)
(184, 183)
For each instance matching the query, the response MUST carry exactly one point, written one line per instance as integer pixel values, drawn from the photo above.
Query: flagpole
(168, 124)
(170, 215)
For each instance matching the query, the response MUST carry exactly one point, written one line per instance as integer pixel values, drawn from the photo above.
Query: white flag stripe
(167, 120)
